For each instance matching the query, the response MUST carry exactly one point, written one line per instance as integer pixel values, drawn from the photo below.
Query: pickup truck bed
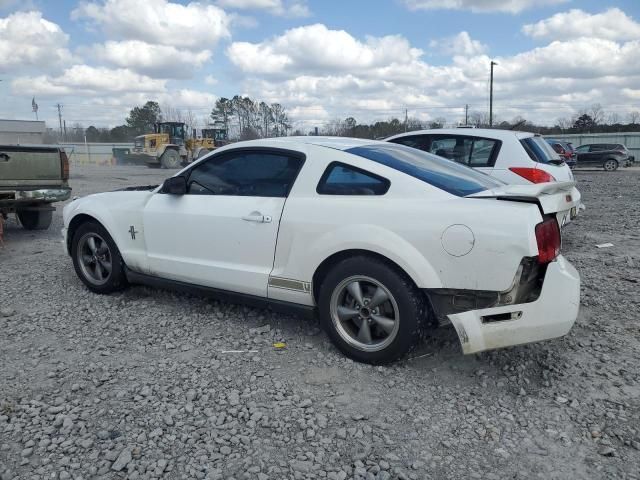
(32, 177)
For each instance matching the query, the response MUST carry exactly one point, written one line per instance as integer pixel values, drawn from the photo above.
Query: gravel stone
(136, 385)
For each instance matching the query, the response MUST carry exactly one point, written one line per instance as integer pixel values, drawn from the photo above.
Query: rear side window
(342, 179)
(539, 150)
(420, 142)
(472, 151)
(441, 173)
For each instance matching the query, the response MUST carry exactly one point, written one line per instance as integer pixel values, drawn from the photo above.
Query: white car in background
(382, 240)
(510, 156)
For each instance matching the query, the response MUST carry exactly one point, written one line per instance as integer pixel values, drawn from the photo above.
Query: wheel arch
(325, 266)
(77, 221)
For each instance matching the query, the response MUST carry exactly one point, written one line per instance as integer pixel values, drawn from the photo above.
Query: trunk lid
(553, 197)
(30, 166)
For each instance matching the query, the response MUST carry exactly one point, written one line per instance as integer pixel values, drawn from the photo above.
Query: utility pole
(466, 114)
(60, 117)
(406, 119)
(491, 95)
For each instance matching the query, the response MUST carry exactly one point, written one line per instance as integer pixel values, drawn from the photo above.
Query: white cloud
(507, 6)
(29, 41)
(293, 8)
(83, 80)
(315, 48)
(612, 24)
(157, 61)
(460, 44)
(581, 58)
(194, 25)
(319, 73)
(210, 80)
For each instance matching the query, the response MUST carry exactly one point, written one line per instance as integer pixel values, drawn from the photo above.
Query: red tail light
(64, 165)
(534, 175)
(549, 240)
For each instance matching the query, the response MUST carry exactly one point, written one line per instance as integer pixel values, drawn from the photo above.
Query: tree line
(243, 117)
(246, 119)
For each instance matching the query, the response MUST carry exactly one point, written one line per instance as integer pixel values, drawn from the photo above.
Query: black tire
(35, 219)
(170, 159)
(411, 317)
(610, 165)
(203, 152)
(115, 279)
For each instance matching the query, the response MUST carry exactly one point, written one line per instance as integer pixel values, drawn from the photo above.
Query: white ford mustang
(382, 240)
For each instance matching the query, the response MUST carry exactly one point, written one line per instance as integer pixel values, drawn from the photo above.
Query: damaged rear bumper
(551, 315)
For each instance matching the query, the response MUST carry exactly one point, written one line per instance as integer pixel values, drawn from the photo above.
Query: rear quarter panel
(406, 225)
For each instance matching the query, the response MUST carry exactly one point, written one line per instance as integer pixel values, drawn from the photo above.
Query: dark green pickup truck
(31, 179)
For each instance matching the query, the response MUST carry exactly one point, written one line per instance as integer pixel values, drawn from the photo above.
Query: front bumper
(47, 195)
(139, 158)
(551, 315)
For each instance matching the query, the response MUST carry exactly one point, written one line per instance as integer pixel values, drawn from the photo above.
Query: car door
(584, 157)
(222, 233)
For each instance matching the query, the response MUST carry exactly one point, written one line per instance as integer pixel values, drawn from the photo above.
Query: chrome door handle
(257, 217)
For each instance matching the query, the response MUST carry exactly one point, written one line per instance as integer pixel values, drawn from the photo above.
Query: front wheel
(96, 259)
(35, 219)
(170, 159)
(611, 165)
(372, 312)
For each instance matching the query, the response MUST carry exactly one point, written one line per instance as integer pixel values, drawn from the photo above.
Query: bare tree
(613, 118)
(634, 117)
(479, 119)
(564, 123)
(596, 112)
(190, 119)
(171, 114)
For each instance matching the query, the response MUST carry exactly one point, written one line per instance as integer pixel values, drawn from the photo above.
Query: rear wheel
(610, 165)
(35, 219)
(203, 152)
(170, 159)
(372, 312)
(96, 259)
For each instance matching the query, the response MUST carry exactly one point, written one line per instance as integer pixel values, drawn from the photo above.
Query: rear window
(539, 150)
(451, 177)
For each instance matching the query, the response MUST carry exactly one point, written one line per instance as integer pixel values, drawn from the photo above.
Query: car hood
(108, 204)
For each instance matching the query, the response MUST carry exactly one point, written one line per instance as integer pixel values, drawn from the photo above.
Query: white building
(21, 131)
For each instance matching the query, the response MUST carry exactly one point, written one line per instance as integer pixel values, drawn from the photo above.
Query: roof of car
(338, 143)
(496, 133)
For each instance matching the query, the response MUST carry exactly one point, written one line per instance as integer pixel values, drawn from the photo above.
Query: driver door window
(254, 174)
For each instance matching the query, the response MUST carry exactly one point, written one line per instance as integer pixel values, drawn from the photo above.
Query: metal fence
(93, 153)
(630, 139)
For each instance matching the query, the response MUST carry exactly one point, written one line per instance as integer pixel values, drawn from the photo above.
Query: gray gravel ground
(140, 384)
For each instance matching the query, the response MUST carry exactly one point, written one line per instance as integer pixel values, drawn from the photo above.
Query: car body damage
(551, 315)
(379, 220)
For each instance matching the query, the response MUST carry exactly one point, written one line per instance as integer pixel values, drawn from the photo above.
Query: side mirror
(175, 186)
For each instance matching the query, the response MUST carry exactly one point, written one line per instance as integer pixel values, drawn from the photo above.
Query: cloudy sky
(322, 59)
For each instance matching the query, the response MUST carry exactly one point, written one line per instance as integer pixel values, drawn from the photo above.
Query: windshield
(444, 174)
(539, 150)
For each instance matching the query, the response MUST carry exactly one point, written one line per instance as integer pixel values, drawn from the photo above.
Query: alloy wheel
(364, 313)
(94, 258)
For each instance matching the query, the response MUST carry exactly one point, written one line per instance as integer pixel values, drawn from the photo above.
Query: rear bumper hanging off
(551, 315)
